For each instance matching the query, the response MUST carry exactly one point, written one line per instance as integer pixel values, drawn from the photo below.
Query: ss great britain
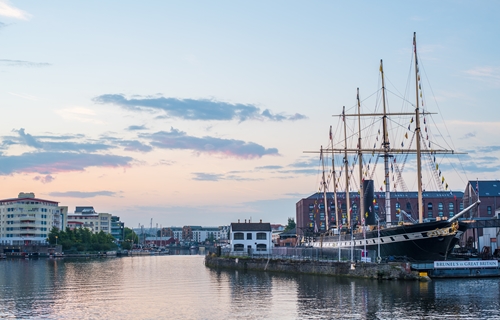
(370, 227)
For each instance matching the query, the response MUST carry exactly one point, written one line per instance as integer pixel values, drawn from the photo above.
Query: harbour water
(181, 287)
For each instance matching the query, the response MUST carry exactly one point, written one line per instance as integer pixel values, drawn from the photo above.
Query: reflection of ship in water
(415, 238)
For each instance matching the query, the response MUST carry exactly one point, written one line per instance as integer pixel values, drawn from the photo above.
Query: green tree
(130, 237)
(291, 224)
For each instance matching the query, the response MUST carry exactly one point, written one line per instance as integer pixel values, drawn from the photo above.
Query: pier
(382, 271)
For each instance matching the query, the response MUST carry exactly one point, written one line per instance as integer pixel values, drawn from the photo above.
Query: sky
(200, 112)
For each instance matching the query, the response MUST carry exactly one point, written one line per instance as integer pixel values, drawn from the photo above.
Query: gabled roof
(487, 188)
(289, 232)
(251, 226)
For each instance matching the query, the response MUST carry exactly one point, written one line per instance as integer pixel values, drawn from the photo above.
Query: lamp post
(56, 240)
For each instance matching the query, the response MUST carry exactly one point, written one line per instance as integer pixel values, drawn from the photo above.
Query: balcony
(27, 222)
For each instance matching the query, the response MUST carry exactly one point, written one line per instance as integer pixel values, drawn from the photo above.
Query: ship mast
(334, 179)
(324, 190)
(417, 134)
(386, 155)
(360, 165)
(346, 166)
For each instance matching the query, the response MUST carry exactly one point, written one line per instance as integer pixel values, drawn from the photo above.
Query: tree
(291, 224)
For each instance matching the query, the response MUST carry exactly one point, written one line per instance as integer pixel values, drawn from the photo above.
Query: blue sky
(196, 112)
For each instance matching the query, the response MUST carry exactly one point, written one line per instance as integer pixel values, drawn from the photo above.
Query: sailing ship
(414, 240)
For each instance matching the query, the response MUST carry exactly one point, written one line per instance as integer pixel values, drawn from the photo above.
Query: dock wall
(383, 271)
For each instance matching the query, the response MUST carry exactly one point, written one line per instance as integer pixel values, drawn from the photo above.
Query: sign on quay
(466, 264)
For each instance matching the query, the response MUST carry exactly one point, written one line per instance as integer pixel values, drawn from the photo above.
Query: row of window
(241, 236)
(241, 247)
(27, 202)
(30, 210)
(11, 235)
(10, 216)
(12, 229)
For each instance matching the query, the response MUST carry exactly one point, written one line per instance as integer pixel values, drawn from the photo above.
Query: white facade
(88, 218)
(206, 233)
(28, 220)
(251, 238)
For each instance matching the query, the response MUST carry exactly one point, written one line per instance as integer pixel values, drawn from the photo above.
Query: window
(332, 206)
(429, 214)
(429, 206)
(238, 236)
(440, 209)
(408, 207)
(354, 209)
(488, 209)
(238, 247)
(249, 236)
(398, 206)
(261, 236)
(261, 247)
(451, 208)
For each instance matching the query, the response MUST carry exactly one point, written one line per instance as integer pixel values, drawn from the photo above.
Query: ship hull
(430, 241)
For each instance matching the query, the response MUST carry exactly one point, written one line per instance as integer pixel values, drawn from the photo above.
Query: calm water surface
(181, 287)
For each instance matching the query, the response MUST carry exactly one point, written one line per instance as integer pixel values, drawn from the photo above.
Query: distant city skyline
(199, 113)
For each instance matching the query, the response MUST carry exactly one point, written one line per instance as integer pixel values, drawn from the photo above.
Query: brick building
(311, 217)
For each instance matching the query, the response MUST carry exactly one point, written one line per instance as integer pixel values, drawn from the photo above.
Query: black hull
(430, 241)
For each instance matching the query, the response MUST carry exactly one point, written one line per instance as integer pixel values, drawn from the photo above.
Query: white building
(86, 217)
(251, 238)
(28, 220)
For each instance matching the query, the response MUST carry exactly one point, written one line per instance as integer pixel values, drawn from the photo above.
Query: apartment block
(28, 220)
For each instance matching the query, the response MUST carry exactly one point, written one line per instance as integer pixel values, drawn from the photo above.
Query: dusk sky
(199, 112)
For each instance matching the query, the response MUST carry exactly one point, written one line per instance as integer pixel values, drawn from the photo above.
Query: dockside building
(27, 220)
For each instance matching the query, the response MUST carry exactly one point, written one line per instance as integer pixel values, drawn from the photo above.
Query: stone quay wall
(383, 271)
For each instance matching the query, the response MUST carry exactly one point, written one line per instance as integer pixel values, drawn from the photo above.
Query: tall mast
(417, 134)
(346, 168)
(360, 165)
(324, 189)
(334, 179)
(386, 155)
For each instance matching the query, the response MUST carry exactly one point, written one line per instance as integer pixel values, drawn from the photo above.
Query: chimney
(260, 220)
(245, 220)
(238, 220)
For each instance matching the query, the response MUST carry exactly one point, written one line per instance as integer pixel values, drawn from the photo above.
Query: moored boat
(416, 240)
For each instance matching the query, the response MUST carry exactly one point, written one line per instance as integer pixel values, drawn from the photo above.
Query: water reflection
(181, 287)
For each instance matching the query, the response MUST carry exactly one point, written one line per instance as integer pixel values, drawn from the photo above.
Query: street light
(56, 240)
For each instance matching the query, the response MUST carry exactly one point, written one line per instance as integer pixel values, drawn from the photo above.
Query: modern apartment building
(87, 217)
(28, 220)
(117, 228)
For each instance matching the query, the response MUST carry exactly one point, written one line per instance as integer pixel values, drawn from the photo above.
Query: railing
(302, 254)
